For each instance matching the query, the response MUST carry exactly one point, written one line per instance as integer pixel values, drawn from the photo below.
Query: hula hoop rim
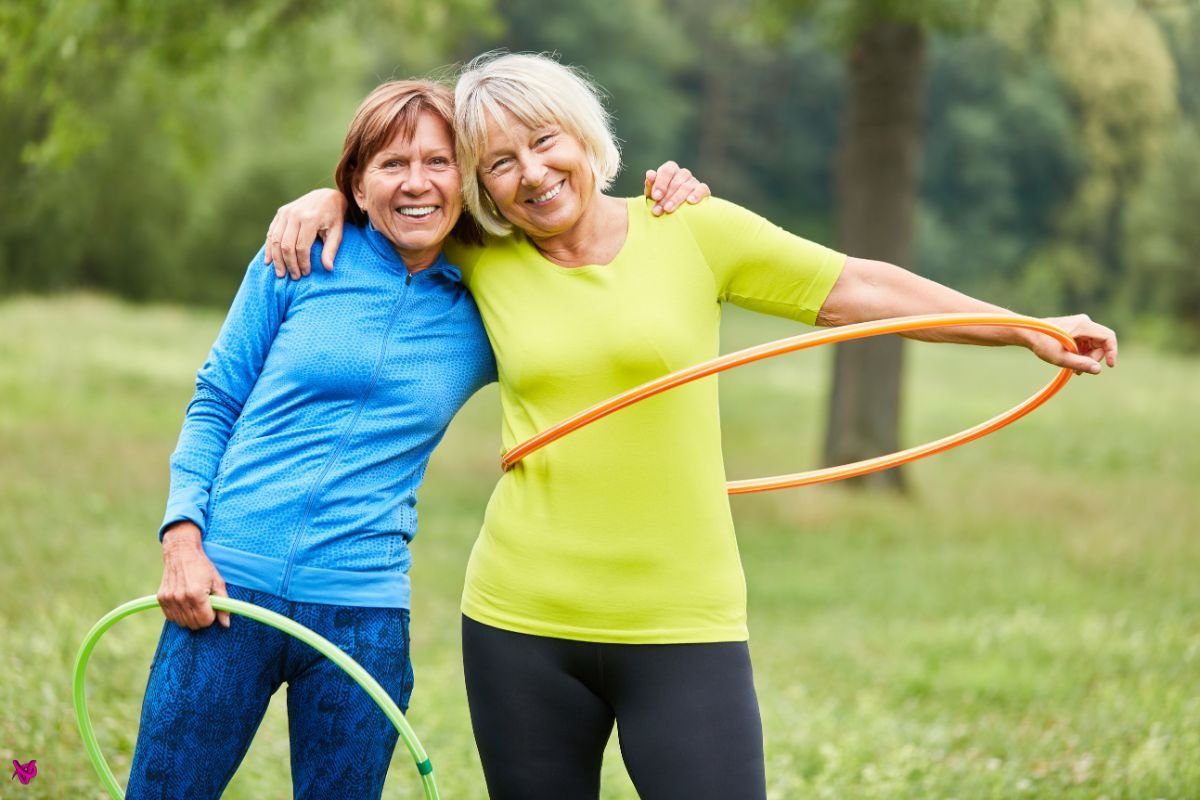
(805, 341)
(266, 617)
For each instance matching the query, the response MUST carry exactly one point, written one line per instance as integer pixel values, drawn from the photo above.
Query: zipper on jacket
(285, 582)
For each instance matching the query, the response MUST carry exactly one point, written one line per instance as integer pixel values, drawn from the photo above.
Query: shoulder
(717, 210)
(713, 223)
(462, 255)
(354, 246)
(476, 260)
(360, 253)
(710, 213)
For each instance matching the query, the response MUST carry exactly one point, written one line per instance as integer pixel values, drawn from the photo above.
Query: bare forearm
(869, 290)
(182, 535)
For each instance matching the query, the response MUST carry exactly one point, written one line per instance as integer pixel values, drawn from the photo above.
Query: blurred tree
(1000, 161)
(767, 104)
(137, 128)
(1159, 280)
(877, 180)
(1044, 120)
(1119, 76)
(1161, 240)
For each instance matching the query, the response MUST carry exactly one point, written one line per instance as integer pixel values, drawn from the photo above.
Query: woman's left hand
(671, 185)
(1097, 344)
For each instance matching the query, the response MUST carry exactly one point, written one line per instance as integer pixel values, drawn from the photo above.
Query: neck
(423, 261)
(595, 238)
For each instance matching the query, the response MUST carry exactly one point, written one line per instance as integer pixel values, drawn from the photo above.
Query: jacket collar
(383, 246)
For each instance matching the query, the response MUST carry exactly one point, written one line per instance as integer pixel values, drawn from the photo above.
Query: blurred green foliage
(148, 143)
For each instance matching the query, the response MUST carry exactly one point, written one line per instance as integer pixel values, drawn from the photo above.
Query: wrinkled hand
(188, 579)
(297, 226)
(670, 185)
(1097, 345)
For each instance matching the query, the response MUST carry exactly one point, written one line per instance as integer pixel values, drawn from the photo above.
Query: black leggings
(543, 709)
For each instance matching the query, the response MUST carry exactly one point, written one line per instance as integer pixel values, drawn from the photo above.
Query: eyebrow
(432, 151)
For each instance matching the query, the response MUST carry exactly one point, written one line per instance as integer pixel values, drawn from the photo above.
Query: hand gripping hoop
(277, 621)
(860, 330)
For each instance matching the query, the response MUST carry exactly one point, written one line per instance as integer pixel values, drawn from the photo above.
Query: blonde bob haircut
(538, 91)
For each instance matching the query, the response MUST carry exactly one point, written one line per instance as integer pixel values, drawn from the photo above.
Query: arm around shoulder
(320, 214)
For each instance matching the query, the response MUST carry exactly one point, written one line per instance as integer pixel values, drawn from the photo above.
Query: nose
(533, 172)
(416, 181)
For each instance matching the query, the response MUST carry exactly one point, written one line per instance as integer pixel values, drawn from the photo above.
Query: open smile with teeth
(547, 197)
(418, 212)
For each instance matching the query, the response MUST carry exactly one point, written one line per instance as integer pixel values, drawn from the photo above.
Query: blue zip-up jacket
(314, 418)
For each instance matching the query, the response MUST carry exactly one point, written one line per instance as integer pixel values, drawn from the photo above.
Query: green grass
(1025, 624)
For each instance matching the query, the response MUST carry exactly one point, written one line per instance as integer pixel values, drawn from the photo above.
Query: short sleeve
(760, 266)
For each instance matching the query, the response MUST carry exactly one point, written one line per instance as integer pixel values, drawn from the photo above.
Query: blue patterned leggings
(209, 689)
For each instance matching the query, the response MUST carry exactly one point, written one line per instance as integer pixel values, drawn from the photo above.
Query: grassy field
(1025, 624)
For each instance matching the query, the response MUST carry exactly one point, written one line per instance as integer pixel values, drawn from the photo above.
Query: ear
(360, 196)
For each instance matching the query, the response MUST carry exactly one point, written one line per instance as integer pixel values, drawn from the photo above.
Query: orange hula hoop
(805, 341)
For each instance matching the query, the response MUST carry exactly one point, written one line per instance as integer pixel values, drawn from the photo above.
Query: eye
(391, 163)
(544, 139)
(440, 161)
(500, 164)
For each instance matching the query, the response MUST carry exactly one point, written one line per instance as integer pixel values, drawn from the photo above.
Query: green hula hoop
(277, 621)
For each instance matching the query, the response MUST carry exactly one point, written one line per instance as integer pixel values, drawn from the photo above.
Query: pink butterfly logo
(26, 772)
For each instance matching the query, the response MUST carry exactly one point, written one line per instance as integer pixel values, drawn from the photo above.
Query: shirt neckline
(634, 223)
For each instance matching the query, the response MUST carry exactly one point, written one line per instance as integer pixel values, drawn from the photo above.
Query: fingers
(275, 254)
(333, 240)
(188, 608)
(1079, 363)
(657, 183)
(306, 232)
(665, 189)
(1109, 346)
(680, 190)
(272, 235)
(671, 186)
(662, 179)
(288, 246)
(218, 588)
(1096, 344)
(689, 190)
(656, 194)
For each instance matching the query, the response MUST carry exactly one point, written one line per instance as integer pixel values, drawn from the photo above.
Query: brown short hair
(393, 108)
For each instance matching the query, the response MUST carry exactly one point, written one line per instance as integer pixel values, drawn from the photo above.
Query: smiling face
(412, 191)
(539, 177)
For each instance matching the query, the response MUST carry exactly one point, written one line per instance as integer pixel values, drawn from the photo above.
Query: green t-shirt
(621, 531)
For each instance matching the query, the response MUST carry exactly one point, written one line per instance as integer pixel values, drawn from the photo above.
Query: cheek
(376, 193)
(501, 191)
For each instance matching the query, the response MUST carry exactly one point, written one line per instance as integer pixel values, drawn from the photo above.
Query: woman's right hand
(298, 224)
(188, 579)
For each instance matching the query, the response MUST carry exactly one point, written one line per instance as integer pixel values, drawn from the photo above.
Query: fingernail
(670, 206)
(656, 194)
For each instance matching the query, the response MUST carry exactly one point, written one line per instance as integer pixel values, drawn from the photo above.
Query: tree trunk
(877, 184)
